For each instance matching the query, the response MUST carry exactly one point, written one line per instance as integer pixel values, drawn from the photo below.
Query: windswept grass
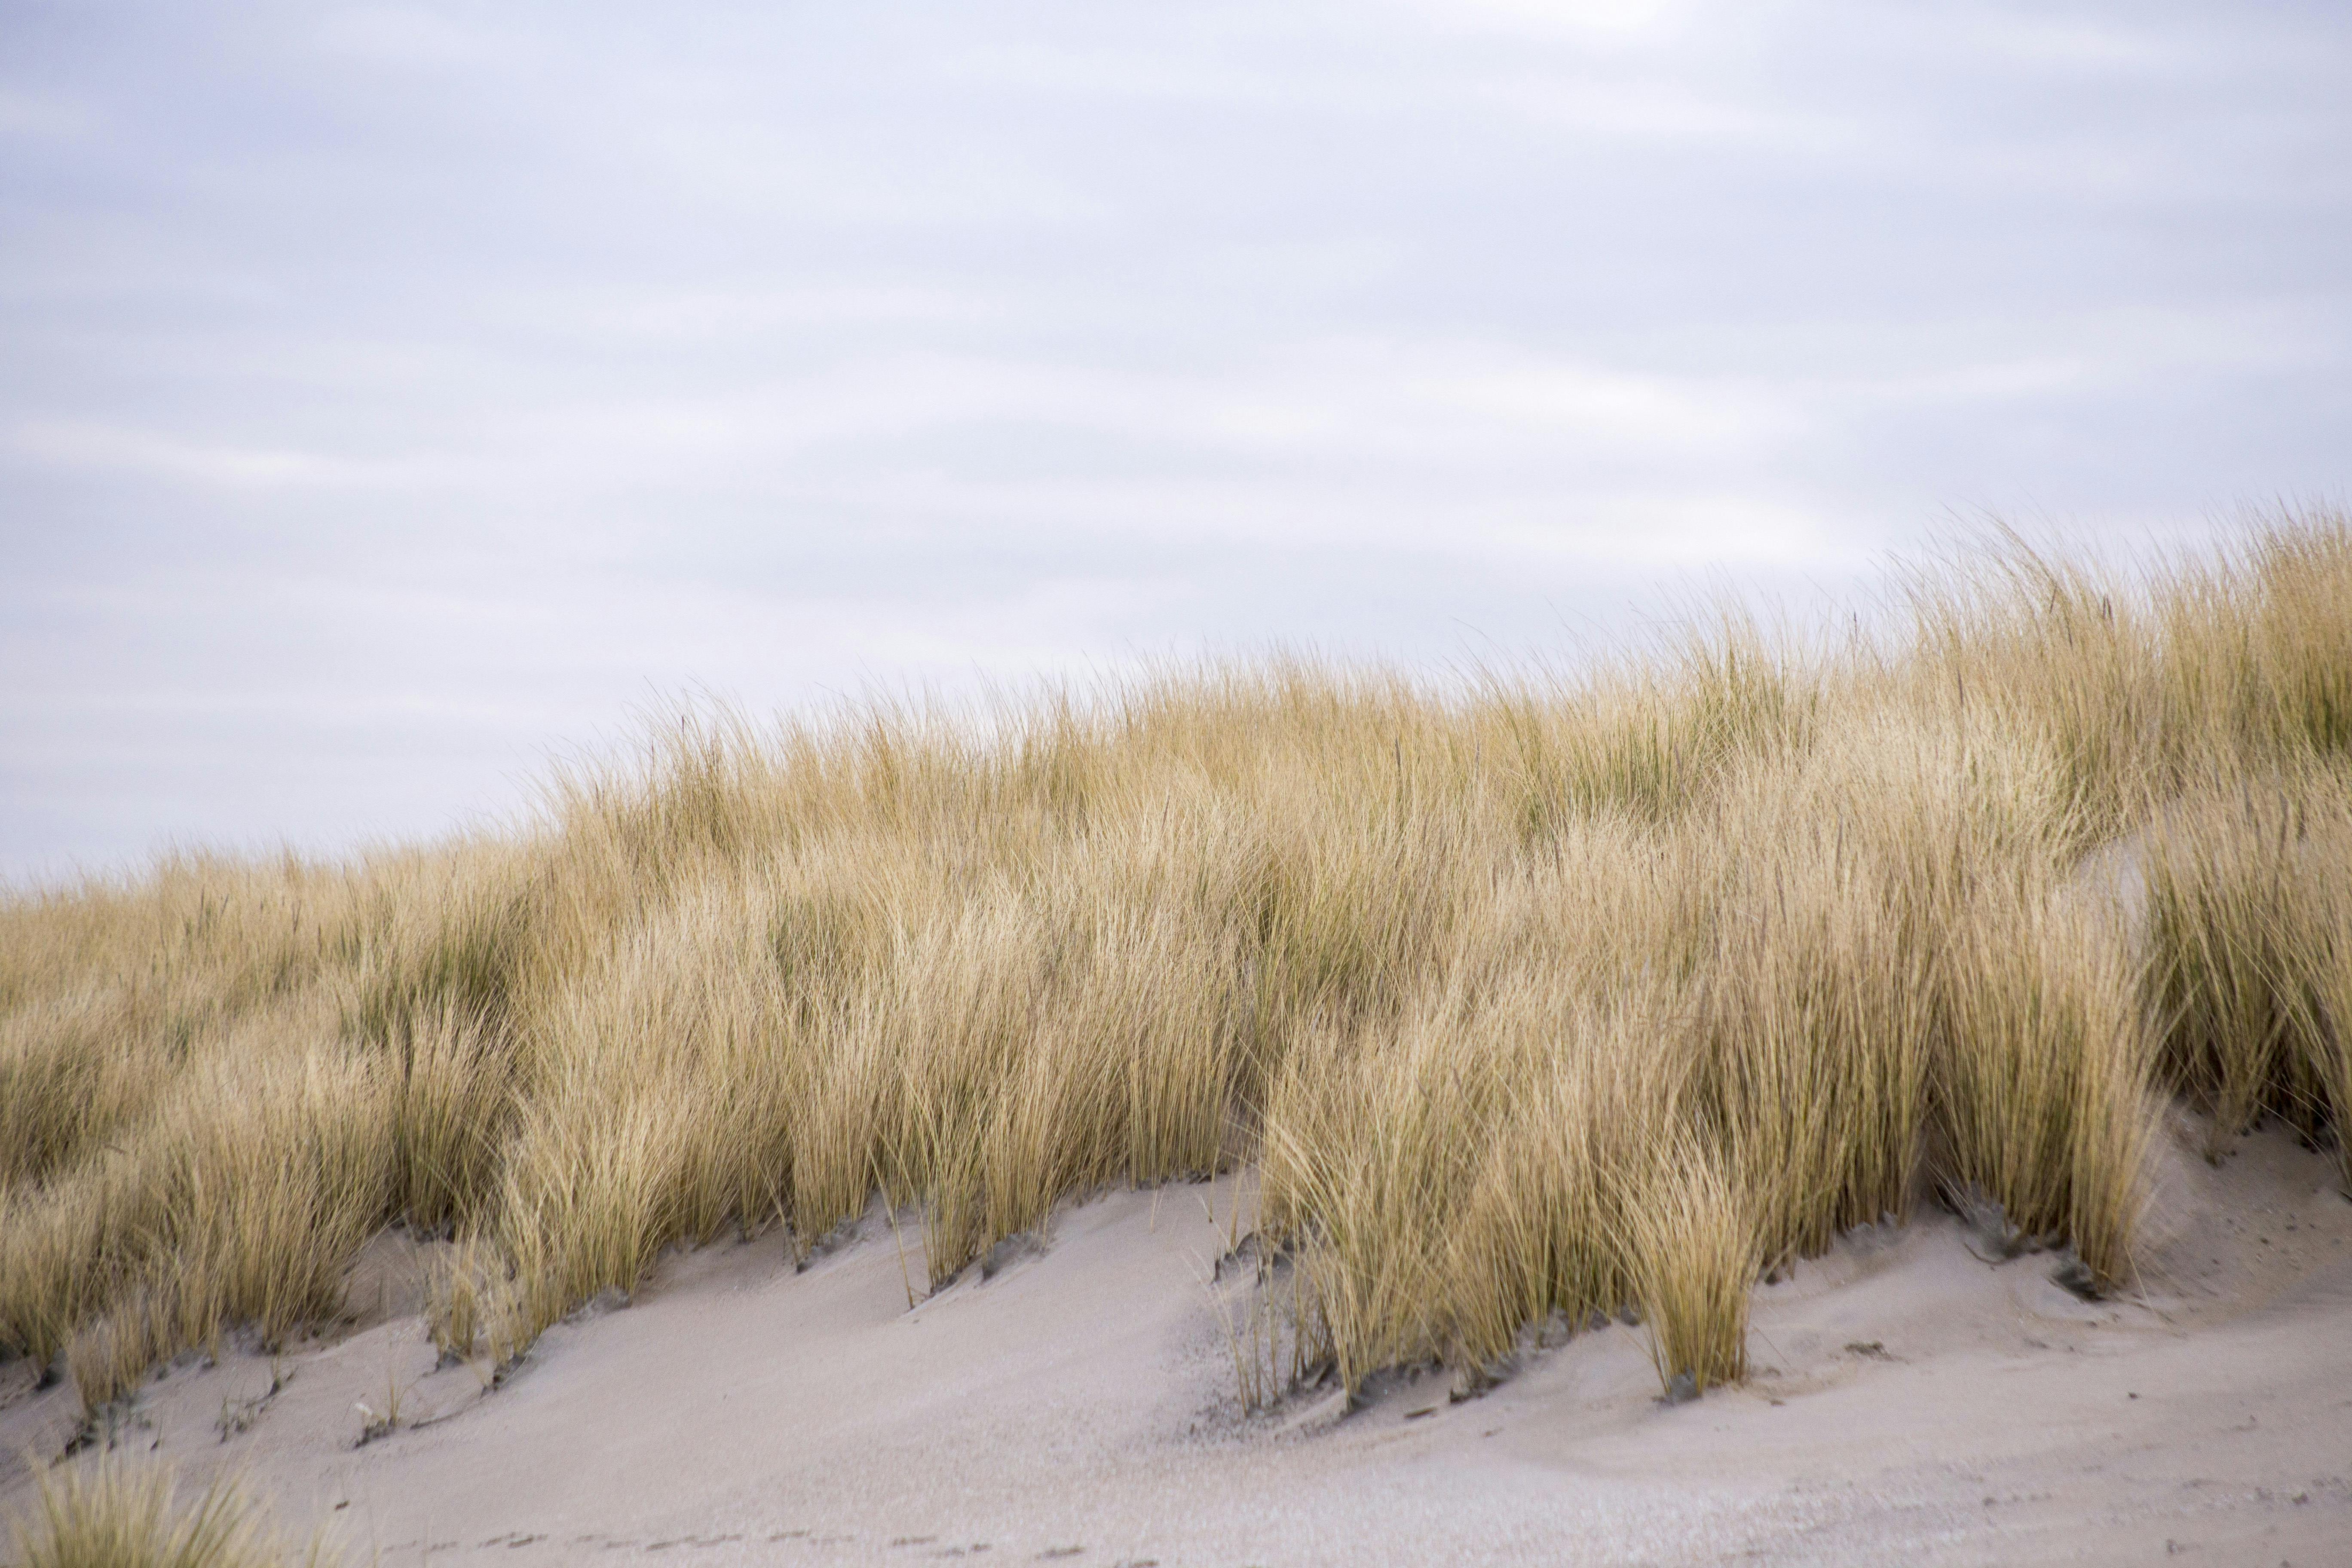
(1543, 996)
(112, 1512)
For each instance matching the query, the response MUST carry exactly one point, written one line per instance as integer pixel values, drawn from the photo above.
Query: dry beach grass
(1545, 996)
(108, 1513)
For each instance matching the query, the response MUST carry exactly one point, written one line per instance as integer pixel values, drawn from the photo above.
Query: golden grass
(111, 1513)
(2250, 884)
(1559, 995)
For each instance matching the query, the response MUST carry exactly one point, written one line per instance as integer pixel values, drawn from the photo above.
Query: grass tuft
(109, 1512)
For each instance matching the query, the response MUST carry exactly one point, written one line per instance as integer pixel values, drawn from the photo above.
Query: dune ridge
(1536, 999)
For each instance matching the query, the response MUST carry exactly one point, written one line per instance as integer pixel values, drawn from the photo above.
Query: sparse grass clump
(1534, 999)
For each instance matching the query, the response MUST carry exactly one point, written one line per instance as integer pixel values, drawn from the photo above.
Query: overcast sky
(390, 397)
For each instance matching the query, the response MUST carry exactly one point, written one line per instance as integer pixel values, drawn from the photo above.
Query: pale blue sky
(390, 396)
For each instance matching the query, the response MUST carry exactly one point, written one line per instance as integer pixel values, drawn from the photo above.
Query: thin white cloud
(1583, 21)
(409, 36)
(114, 449)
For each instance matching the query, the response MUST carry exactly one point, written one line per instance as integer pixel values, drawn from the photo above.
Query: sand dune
(1913, 1402)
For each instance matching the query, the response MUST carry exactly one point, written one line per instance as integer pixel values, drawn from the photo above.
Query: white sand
(1079, 1406)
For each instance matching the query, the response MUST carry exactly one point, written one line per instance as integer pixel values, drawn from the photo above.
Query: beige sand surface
(1917, 1405)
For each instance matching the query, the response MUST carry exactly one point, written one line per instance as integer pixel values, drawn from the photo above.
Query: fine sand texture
(1913, 1399)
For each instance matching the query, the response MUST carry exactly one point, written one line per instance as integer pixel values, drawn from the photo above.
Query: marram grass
(111, 1511)
(1564, 995)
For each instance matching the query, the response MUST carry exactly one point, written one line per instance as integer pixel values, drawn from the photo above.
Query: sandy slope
(1920, 1405)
